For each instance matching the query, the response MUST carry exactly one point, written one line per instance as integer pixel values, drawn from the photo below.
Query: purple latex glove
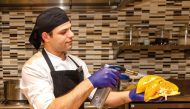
(105, 77)
(140, 97)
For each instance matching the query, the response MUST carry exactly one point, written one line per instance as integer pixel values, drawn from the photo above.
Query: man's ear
(45, 36)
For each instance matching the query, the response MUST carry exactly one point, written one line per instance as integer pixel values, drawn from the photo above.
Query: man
(54, 79)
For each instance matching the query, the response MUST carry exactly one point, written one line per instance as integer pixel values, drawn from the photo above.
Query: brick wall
(95, 32)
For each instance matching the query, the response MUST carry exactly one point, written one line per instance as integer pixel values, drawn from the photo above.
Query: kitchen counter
(169, 102)
(173, 102)
(179, 98)
(27, 106)
(163, 105)
(9, 106)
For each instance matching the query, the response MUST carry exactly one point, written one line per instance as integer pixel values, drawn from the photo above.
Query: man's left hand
(140, 97)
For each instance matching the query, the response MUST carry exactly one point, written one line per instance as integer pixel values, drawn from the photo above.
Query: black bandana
(46, 22)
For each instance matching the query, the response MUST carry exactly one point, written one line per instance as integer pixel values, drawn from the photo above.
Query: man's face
(62, 37)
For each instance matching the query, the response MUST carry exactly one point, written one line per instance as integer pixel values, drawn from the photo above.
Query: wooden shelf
(119, 49)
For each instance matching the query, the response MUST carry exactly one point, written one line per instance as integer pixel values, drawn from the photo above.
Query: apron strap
(48, 60)
(74, 61)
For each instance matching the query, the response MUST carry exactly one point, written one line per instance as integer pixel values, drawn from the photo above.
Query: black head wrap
(46, 22)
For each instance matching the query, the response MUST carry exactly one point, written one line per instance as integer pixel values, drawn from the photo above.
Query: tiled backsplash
(95, 31)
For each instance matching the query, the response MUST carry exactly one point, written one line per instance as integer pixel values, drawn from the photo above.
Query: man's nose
(70, 34)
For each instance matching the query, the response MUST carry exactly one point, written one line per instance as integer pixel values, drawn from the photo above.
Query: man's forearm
(117, 98)
(73, 99)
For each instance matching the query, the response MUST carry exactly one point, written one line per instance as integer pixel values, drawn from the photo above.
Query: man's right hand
(105, 77)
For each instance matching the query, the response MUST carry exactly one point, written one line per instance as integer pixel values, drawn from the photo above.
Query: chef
(54, 79)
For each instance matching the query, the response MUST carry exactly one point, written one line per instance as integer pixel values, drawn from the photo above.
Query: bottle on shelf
(183, 35)
(133, 34)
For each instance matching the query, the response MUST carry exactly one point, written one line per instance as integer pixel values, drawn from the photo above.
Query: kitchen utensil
(12, 90)
(101, 94)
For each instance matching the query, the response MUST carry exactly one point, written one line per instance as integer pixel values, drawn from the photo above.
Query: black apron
(64, 80)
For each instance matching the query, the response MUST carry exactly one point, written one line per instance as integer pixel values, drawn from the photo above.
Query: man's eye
(63, 32)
